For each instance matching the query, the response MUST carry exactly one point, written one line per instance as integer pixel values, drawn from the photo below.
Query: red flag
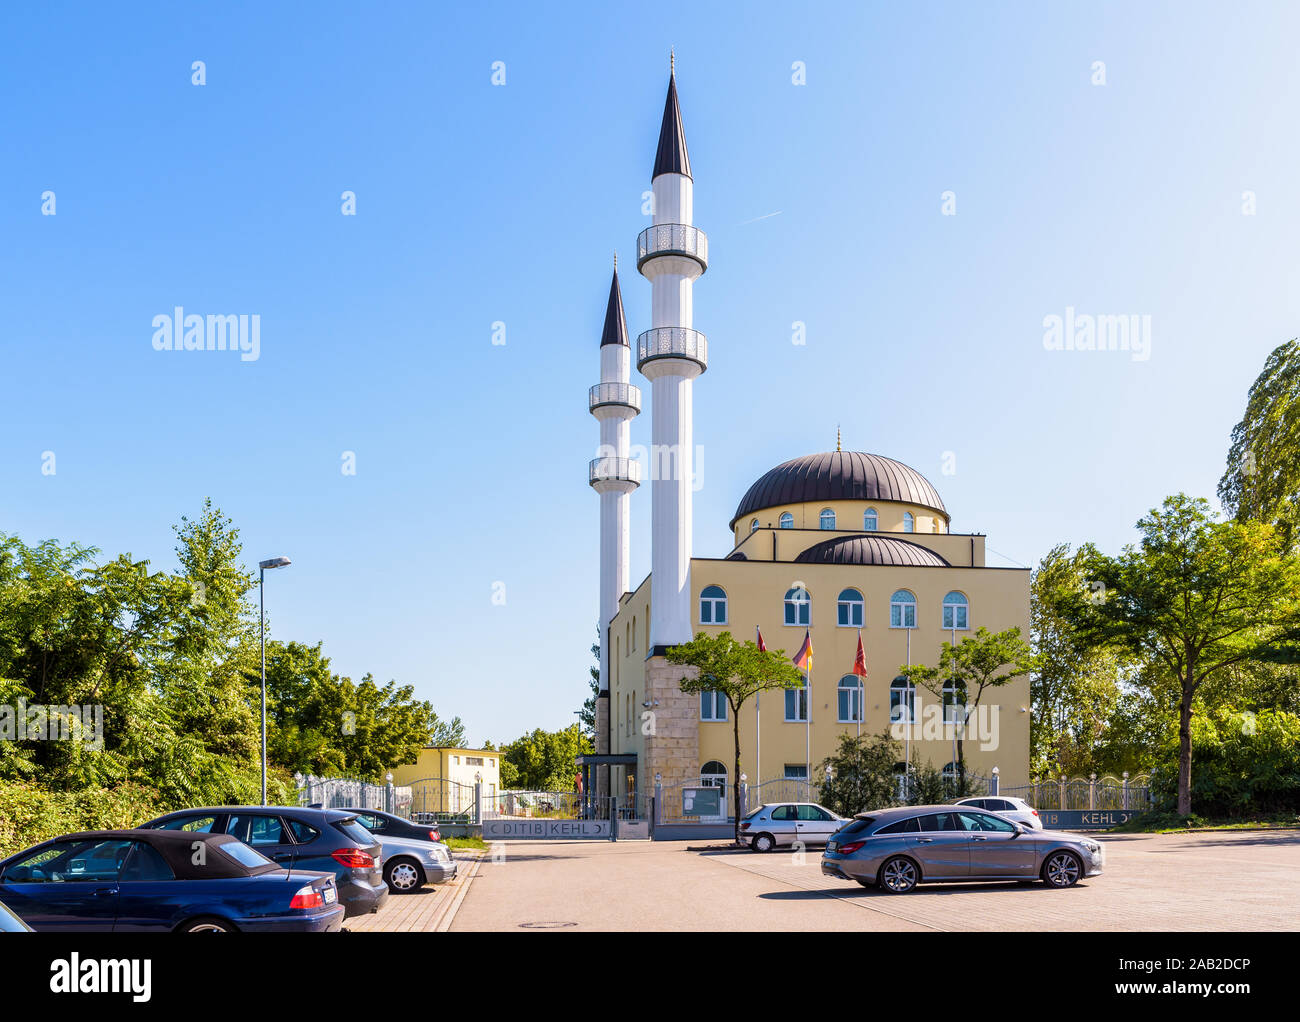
(762, 646)
(860, 661)
(804, 657)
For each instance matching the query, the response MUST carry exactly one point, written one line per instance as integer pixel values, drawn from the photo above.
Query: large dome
(839, 475)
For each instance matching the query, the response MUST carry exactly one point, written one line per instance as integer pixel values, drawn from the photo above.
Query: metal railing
(1079, 793)
(672, 239)
(606, 469)
(614, 394)
(672, 342)
(353, 793)
(542, 805)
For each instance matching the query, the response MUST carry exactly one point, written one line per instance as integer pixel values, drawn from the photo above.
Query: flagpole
(907, 750)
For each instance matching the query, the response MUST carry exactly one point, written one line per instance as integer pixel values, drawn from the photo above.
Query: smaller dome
(871, 550)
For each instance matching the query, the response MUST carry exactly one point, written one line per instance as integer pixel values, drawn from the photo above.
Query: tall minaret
(671, 254)
(615, 402)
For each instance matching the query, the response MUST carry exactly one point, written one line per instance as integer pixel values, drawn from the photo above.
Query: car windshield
(856, 827)
(244, 855)
(754, 812)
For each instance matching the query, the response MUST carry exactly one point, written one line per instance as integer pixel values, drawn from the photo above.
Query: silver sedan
(784, 823)
(410, 863)
(896, 849)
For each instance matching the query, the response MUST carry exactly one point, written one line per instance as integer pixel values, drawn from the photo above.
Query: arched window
(827, 518)
(713, 606)
(713, 774)
(798, 607)
(900, 779)
(953, 711)
(950, 774)
(956, 611)
(753, 524)
(870, 519)
(849, 609)
(632, 633)
(902, 610)
(850, 693)
(796, 702)
(909, 523)
(713, 705)
(902, 701)
(787, 520)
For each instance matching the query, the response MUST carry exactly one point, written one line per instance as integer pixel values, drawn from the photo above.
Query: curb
(448, 914)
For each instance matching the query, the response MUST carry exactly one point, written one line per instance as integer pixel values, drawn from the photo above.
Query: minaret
(671, 254)
(615, 402)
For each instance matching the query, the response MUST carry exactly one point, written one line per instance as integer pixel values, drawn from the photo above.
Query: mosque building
(835, 546)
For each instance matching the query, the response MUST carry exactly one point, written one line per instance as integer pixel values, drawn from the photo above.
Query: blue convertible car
(140, 880)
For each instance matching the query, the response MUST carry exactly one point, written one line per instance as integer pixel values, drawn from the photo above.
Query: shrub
(30, 814)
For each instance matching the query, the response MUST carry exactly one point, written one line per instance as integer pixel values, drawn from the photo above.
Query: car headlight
(1092, 847)
(440, 855)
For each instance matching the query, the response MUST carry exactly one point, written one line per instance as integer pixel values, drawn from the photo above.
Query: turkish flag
(860, 661)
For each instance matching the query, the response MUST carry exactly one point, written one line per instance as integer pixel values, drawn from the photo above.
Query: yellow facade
(461, 767)
(755, 587)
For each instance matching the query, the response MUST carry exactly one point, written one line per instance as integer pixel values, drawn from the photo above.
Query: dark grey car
(896, 849)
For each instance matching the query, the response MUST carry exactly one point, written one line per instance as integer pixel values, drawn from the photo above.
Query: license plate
(831, 846)
(331, 895)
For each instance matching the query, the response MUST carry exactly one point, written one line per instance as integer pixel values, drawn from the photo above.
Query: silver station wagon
(896, 849)
(780, 824)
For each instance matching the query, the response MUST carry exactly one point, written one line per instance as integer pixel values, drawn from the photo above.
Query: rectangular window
(850, 615)
(796, 771)
(713, 706)
(850, 705)
(902, 615)
(796, 704)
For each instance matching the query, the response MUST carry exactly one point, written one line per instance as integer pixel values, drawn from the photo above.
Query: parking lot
(1211, 881)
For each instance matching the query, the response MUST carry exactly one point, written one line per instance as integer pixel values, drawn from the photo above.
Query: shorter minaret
(612, 474)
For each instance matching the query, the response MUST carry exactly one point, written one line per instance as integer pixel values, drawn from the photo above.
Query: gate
(442, 800)
(549, 814)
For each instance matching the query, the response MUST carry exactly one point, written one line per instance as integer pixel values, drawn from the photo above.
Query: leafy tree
(544, 760)
(975, 665)
(738, 670)
(1197, 597)
(1262, 480)
(862, 774)
(322, 723)
(587, 715)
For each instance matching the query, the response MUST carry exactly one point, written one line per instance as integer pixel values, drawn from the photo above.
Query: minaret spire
(671, 156)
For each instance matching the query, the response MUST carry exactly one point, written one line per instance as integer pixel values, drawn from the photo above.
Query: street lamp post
(274, 562)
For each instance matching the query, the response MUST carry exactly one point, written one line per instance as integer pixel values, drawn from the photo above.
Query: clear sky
(479, 203)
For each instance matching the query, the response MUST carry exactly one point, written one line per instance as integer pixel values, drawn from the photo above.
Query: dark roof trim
(671, 157)
(615, 331)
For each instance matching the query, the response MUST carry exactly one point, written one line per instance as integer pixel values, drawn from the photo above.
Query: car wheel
(764, 843)
(898, 875)
(205, 924)
(1062, 869)
(403, 876)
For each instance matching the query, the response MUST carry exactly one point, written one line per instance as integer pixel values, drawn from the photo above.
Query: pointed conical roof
(615, 331)
(672, 157)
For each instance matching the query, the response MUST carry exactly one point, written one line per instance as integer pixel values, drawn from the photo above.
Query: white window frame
(714, 602)
(874, 516)
(802, 696)
(909, 522)
(786, 521)
(821, 519)
(860, 603)
(805, 603)
(719, 701)
(963, 605)
(906, 701)
(901, 606)
(851, 684)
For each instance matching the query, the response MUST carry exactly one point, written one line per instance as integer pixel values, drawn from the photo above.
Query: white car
(1004, 805)
(786, 823)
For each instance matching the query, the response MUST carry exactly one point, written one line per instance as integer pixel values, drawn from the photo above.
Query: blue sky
(479, 203)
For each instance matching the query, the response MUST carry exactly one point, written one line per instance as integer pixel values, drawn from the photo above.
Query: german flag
(803, 659)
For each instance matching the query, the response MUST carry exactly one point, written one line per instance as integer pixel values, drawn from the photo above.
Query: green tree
(738, 670)
(544, 760)
(989, 660)
(587, 715)
(1262, 479)
(1197, 596)
(862, 774)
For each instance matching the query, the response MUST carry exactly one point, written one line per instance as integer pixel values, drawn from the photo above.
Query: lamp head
(274, 562)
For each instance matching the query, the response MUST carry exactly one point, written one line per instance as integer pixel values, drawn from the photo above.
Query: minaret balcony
(604, 395)
(672, 240)
(603, 471)
(672, 342)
